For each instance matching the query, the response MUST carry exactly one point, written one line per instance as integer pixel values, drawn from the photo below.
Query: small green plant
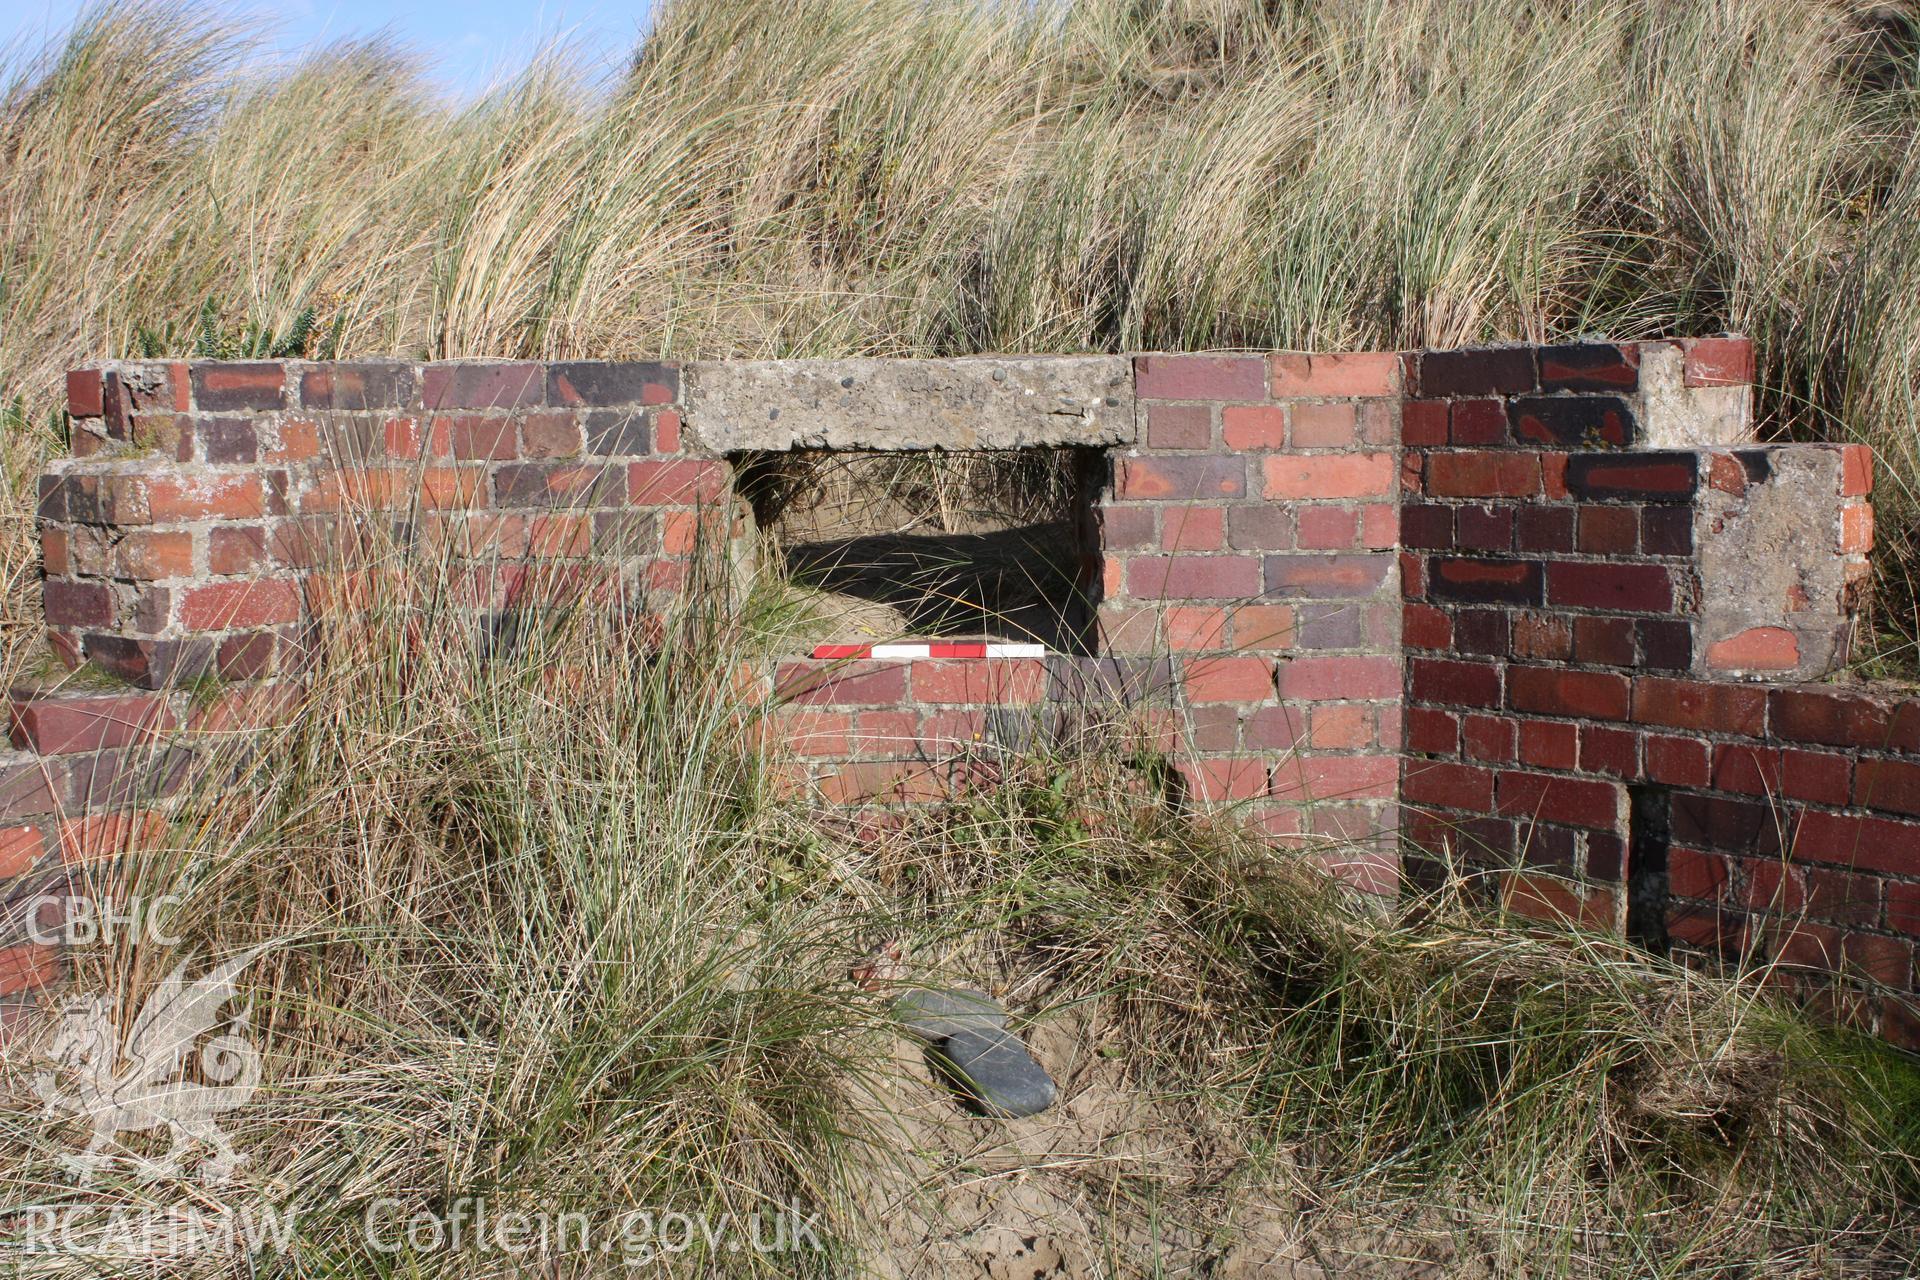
(212, 339)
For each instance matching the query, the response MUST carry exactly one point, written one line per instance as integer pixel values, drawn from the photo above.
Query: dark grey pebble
(994, 1071)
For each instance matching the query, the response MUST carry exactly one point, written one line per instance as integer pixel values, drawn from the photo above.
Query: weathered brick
(483, 385)
(1327, 528)
(1636, 477)
(63, 724)
(1624, 588)
(1190, 426)
(1486, 581)
(1334, 678)
(841, 684)
(1590, 366)
(1323, 426)
(236, 549)
(1473, 684)
(1718, 362)
(360, 386)
(1359, 373)
(1490, 473)
(76, 604)
(1489, 739)
(260, 602)
(1587, 694)
(1696, 704)
(1574, 421)
(188, 498)
(234, 386)
(1182, 479)
(149, 553)
(1186, 377)
(1188, 577)
(84, 395)
(1755, 649)
(1229, 679)
(996, 681)
(1329, 476)
(1242, 426)
(1546, 797)
(602, 384)
(1325, 576)
(1477, 372)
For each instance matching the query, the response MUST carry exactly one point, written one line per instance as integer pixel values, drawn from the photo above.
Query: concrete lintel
(987, 402)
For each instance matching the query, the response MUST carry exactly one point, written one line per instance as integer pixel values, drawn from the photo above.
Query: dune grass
(896, 177)
(544, 930)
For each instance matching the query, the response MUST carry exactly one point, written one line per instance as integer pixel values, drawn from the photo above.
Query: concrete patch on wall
(983, 403)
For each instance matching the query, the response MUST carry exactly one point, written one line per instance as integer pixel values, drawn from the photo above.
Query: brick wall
(1545, 613)
(1592, 633)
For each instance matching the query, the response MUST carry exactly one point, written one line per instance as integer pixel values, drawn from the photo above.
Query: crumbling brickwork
(1547, 615)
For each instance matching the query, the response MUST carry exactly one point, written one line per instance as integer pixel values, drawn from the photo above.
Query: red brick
(1484, 581)
(183, 498)
(1890, 785)
(64, 724)
(666, 432)
(1478, 422)
(1328, 528)
(1380, 525)
(1191, 528)
(1192, 577)
(1678, 762)
(1903, 907)
(1639, 477)
(1545, 797)
(1186, 426)
(1422, 626)
(29, 966)
(1700, 876)
(1325, 577)
(885, 733)
(1816, 776)
(1336, 777)
(1329, 476)
(895, 781)
(1856, 470)
(1474, 684)
(1224, 781)
(20, 850)
(84, 399)
(1542, 635)
(1340, 727)
(1549, 744)
(99, 837)
(236, 549)
(1719, 362)
(231, 386)
(1844, 720)
(149, 554)
(1552, 900)
(1856, 529)
(1263, 626)
(1694, 704)
(679, 482)
(1245, 426)
(1490, 473)
(257, 603)
(472, 438)
(1423, 423)
(1604, 642)
(1613, 752)
(1888, 961)
(1429, 729)
(1181, 479)
(1322, 426)
(1756, 649)
(1198, 377)
(1587, 694)
(996, 681)
(1339, 678)
(1267, 729)
(1447, 785)
(1627, 588)
(841, 684)
(1861, 842)
(491, 385)
(1359, 373)
(1488, 738)
(1229, 679)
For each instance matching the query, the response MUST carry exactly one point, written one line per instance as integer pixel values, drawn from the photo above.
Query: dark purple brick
(1486, 581)
(361, 385)
(1588, 422)
(492, 385)
(1477, 371)
(1590, 366)
(603, 383)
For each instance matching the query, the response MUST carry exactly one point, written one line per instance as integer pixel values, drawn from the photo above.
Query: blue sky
(466, 42)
